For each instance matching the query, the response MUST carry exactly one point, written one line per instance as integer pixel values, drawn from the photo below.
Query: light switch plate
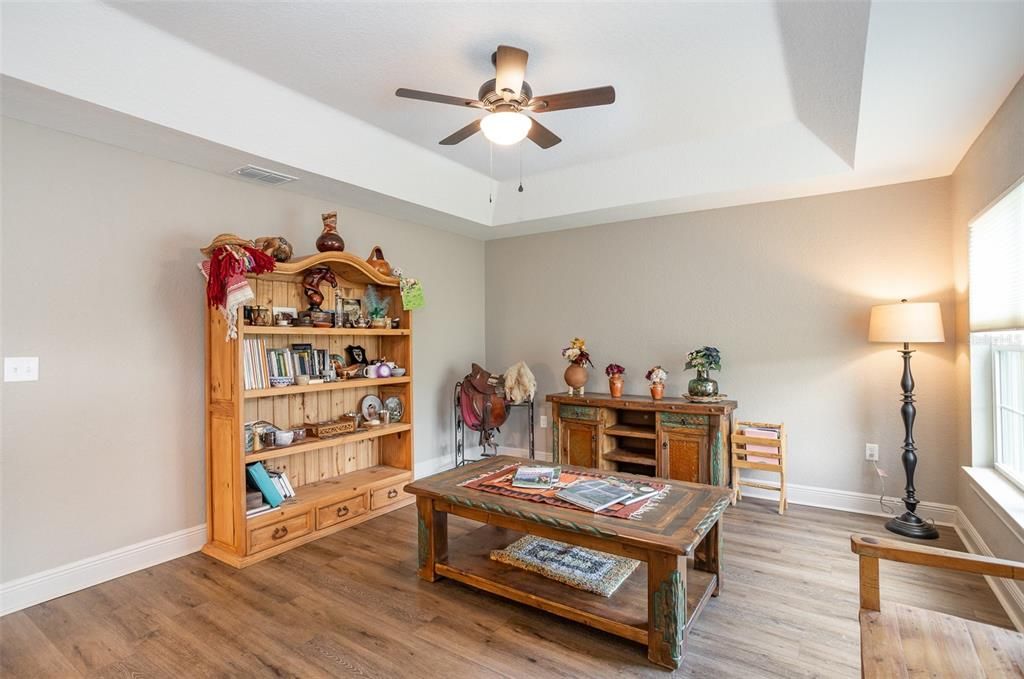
(871, 452)
(543, 421)
(21, 368)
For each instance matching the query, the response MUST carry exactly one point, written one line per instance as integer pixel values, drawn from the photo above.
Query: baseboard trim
(1008, 592)
(851, 501)
(55, 582)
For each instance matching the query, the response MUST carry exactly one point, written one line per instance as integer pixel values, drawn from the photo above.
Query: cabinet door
(684, 456)
(579, 443)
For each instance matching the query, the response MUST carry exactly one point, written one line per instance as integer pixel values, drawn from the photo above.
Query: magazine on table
(536, 477)
(595, 495)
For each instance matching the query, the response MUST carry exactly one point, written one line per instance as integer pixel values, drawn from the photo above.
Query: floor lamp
(905, 323)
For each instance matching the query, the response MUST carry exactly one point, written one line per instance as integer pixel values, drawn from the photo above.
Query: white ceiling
(718, 103)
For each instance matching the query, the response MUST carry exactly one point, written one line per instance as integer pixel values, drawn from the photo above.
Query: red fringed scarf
(230, 262)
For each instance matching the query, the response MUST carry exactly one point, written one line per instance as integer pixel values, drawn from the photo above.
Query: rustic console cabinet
(671, 438)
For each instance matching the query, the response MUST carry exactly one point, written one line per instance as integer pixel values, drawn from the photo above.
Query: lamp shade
(906, 322)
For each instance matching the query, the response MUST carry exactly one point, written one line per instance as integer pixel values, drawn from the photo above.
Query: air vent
(260, 174)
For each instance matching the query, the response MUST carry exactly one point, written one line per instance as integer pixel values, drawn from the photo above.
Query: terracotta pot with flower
(657, 376)
(614, 371)
(576, 374)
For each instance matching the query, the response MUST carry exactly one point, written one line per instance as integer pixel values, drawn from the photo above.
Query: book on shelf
(595, 494)
(258, 475)
(536, 477)
(256, 511)
(280, 480)
(254, 364)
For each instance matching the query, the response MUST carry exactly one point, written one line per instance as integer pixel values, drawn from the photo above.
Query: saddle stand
(480, 405)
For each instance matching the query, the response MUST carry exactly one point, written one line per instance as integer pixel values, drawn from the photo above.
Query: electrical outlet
(21, 368)
(871, 452)
(543, 421)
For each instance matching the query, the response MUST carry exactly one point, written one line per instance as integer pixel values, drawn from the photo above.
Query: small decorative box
(343, 425)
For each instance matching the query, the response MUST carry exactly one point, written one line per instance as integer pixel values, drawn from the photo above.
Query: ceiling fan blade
(437, 98)
(510, 71)
(462, 135)
(595, 96)
(542, 136)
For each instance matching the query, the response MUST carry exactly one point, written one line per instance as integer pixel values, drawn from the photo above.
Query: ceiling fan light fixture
(506, 127)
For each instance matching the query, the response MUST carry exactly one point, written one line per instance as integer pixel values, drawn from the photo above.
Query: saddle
(482, 403)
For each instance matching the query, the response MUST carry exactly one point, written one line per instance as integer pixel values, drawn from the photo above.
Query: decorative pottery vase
(615, 386)
(658, 391)
(329, 240)
(702, 385)
(576, 377)
(380, 323)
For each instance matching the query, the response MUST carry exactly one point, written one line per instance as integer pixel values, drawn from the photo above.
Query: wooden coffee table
(657, 605)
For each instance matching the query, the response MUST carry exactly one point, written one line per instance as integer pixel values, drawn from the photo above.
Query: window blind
(996, 261)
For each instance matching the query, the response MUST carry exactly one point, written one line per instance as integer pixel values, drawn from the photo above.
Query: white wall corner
(55, 582)
(1007, 591)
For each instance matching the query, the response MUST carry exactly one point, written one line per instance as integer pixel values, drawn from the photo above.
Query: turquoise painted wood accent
(716, 459)
(683, 420)
(556, 451)
(573, 412)
(424, 542)
(670, 613)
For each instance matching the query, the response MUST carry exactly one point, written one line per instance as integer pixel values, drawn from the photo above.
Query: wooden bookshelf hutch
(340, 481)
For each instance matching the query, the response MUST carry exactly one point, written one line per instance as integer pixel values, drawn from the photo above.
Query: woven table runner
(500, 483)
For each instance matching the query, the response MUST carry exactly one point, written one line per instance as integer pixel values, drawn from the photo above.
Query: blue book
(259, 476)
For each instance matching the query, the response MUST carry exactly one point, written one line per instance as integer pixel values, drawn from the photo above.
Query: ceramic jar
(615, 386)
(329, 240)
(702, 385)
(576, 376)
(658, 390)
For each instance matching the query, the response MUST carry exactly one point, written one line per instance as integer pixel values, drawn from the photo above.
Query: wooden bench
(904, 641)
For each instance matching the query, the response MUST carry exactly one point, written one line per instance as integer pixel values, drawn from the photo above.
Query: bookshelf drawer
(273, 534)
(387, 495)
(341, 511)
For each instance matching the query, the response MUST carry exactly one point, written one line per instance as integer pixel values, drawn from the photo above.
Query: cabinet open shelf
(631, 456)
(298, 330)
(354, 383)
(313, 443)
(632, 431)
(312, 495)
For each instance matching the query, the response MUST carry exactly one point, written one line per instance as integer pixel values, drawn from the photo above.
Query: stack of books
(254, 363)
(536, 477)
(598, 494)
(274, 485)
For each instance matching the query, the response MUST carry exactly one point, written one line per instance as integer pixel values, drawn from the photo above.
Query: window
(997, 334)
(1008, 409)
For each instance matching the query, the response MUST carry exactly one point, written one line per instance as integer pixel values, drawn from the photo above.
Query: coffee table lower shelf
(624, 613)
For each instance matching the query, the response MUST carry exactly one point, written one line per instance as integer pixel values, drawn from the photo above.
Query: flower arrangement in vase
(703, 360)
(614, 371)
(576, 374)
(657, 376)
(376, 307)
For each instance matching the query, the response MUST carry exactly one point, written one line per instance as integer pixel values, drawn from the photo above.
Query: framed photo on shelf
(351, 309)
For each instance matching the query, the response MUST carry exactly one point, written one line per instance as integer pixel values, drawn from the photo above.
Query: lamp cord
(886, 509)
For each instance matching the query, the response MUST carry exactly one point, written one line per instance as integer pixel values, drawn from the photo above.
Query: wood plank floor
(350, 604)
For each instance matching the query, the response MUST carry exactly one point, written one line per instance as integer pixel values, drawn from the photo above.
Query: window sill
(1001, 495)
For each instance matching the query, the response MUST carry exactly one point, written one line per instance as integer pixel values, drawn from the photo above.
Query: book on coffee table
(536, 477)
(594, 495)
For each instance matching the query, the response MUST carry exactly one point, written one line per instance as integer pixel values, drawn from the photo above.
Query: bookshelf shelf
(355, 383)
(313, 443)
(339, 481)
(342, 332)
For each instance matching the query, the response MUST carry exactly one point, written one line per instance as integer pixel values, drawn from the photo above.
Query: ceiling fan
(507, 97)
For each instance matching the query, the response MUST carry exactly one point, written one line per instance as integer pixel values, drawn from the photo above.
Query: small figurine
(311, 285)
(275, 246)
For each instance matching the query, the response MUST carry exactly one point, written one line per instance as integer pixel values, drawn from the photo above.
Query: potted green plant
(657, 376)
(376, 307)
(614, 371)
(703, 360)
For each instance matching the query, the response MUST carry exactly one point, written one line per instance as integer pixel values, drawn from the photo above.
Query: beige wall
(783, 289)
(994, 162)
(99, 280)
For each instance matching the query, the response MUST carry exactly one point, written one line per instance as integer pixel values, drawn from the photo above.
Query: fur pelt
(520, 384)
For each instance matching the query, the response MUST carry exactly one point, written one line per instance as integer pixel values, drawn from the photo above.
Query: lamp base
(912, 526)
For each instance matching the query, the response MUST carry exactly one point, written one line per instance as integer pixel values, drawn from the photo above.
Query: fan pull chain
(490, 153)
(520, 167)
